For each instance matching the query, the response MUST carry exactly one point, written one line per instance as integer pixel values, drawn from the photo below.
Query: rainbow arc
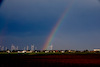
(56, 27)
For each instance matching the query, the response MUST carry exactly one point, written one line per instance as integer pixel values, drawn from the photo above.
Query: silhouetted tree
(85, 51)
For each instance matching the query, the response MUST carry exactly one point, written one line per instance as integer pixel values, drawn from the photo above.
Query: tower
(12, 47)
(5, 48)
(51, 47)
(2, 48)
(24, 48)
(32, 47)
(17, 48)
(27, 47)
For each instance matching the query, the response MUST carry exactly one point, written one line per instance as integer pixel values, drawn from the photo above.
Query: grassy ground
(43, 53)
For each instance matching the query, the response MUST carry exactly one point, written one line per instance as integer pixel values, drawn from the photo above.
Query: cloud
(79, 41)
(1, 1)
(22, 42)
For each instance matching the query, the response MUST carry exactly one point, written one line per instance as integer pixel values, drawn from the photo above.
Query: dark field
(21, 60)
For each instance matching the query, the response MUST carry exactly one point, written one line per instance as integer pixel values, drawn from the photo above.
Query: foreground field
(21, 60)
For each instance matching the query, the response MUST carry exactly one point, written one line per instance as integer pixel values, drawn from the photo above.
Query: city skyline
(35, 22)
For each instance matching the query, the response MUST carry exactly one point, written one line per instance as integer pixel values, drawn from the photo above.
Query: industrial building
(97, 49)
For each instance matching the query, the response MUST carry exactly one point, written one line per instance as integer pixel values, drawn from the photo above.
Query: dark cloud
(26, 22)
(1, 2)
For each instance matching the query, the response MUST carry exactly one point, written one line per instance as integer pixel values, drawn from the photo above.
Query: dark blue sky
(26, 22)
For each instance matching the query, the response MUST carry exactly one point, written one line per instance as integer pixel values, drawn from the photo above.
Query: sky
(30, 22)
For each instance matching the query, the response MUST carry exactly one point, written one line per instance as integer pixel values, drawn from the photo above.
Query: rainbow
(56, 27)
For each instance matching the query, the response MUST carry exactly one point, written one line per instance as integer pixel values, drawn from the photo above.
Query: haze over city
(30, 22)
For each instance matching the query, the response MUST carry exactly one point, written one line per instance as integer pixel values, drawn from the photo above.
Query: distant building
(46, 51)
(32, 47)
(97, 49)
(24, 51)
(62, 51)
(8, 51)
